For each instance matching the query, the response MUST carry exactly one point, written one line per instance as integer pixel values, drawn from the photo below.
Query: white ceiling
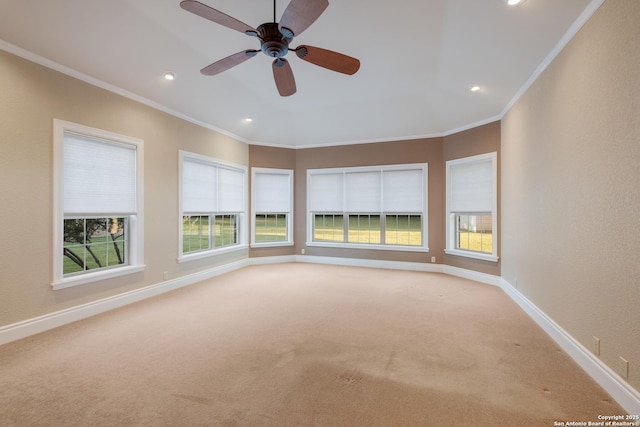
(418, 61)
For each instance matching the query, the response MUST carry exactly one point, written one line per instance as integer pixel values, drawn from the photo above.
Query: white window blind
(403, 191)
(199, 187)
(326, 192)
(209, 188)
(363, 192)
(384, 190)
(99, 177)
(272, 192)
(471, 186)
(230, 190)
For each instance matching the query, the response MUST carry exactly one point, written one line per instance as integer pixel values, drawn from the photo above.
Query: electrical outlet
(596, 345)
(623, 368)
(303, 251)
(433, 259)
(165, 275)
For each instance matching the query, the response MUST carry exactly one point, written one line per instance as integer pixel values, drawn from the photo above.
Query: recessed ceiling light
(247, 119)
(514, 2)
(474, 88)
(169, 75)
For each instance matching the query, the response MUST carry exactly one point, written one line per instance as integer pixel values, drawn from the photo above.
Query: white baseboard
(371, 263)
(488, 279)
(271, 259)
(49, 321)
(618, 388)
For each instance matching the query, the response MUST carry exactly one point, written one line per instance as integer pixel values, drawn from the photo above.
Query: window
(378, 207)
(328, 228)
(272, 207)
(97, 205)
(472, 207)
(225, 230)
(212, 206)
(94, 243)
(196, 233)
(403, 229)
(364, 229)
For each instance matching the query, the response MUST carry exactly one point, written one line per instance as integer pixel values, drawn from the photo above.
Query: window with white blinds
(374, 207)
(212, 205)
(97, 204)
(272, 207)
(471, 206)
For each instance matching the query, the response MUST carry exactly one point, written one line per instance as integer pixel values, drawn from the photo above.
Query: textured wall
(32, 96)
(570, 193)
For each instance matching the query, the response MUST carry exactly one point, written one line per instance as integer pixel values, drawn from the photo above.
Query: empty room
(303, 213)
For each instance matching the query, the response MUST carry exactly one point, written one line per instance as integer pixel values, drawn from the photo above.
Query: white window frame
(387, 247)
(451, 215)
(241, 216)
(135, 222)
(289, 213)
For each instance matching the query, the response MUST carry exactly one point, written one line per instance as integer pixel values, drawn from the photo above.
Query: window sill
(205, 254)
(369, 246)
(474, 255)
(271, 244)
(83, 279)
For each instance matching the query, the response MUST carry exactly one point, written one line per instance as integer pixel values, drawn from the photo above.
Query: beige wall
(32, 96)
(570, 193)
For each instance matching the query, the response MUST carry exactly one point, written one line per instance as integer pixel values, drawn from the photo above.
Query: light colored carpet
(301, 345)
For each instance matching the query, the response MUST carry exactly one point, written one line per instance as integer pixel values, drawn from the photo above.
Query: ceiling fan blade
(328, 59)
(300, 14)
(283, 76)
(216, 16)
(228, 62)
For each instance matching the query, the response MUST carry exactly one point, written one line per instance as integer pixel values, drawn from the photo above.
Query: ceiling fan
(275, 39)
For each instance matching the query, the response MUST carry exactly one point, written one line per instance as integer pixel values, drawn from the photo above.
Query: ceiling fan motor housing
(273, 43)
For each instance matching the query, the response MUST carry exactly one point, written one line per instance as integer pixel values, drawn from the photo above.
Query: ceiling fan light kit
(274, 41)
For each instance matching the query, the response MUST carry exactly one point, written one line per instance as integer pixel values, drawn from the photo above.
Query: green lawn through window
(400, 229)
(271, 228)
(479, 242)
